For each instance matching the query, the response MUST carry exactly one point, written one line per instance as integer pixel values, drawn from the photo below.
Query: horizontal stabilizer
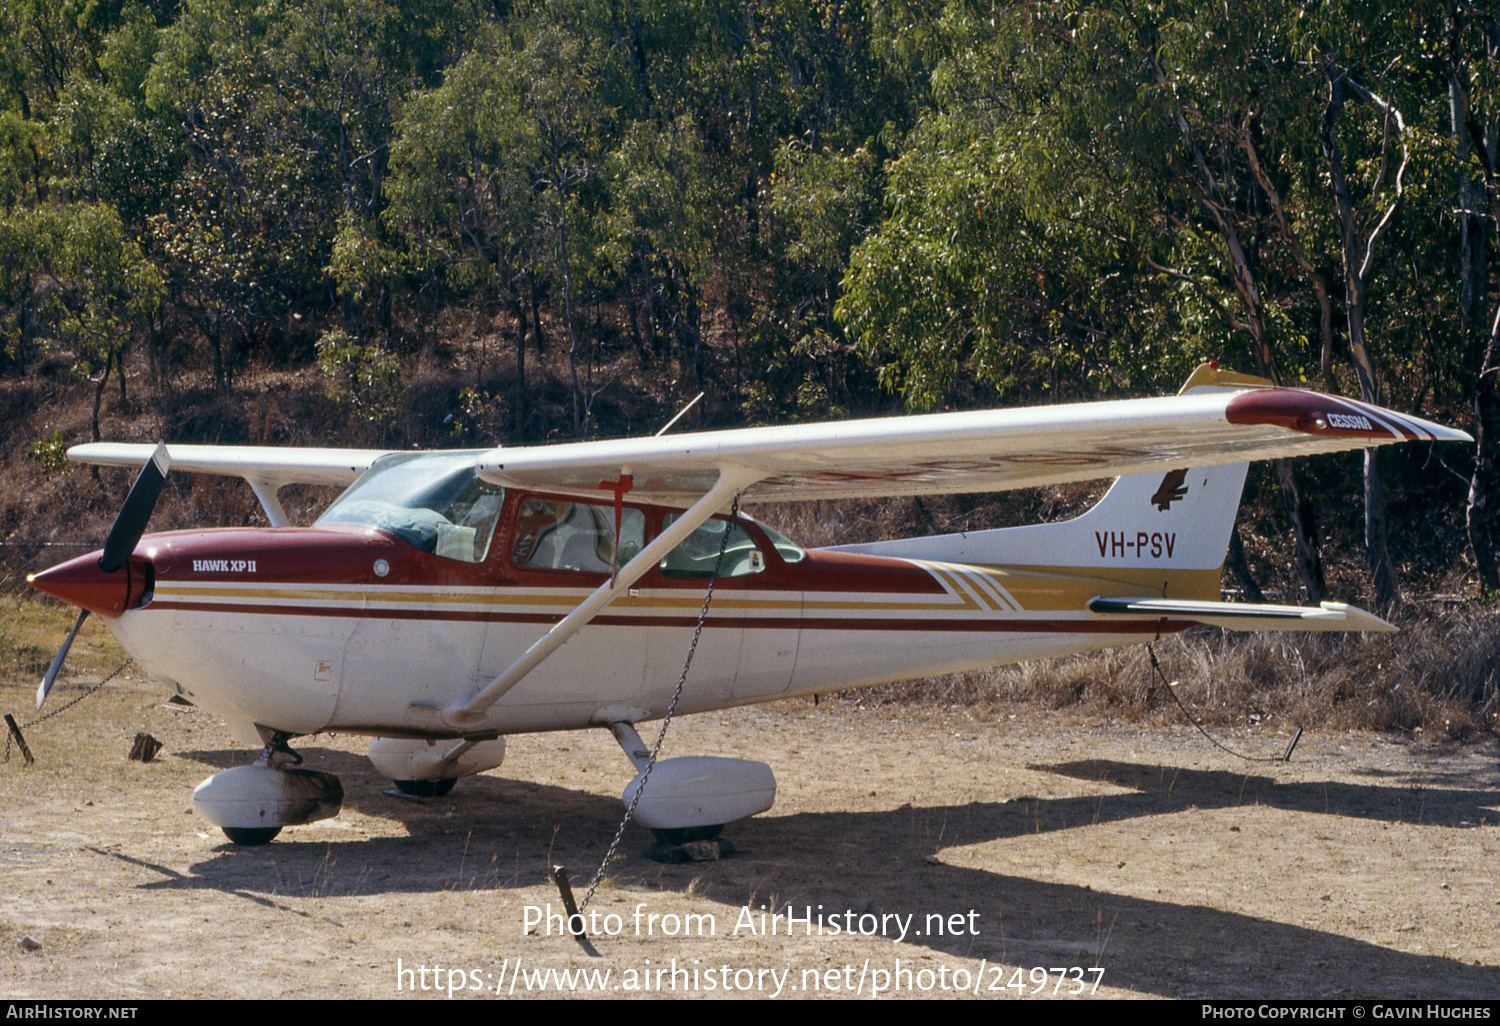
(1247, 616)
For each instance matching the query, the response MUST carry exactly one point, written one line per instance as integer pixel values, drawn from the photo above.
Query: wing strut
(732, 479)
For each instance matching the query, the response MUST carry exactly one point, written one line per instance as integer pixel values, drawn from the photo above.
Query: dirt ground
(919, 852)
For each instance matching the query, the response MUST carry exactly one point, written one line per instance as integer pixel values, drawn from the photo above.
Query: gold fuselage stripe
(968, 589)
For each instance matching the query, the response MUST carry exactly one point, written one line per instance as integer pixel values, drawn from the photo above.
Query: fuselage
(354, 628)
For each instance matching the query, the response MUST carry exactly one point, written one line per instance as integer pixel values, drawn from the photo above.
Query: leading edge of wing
(991, 450)
(275, 466)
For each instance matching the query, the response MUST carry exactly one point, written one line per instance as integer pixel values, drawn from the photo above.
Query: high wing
(268, 463)
(1219, 418)
(266, 468)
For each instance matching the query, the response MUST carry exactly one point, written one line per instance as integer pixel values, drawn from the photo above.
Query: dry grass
(1438, 676)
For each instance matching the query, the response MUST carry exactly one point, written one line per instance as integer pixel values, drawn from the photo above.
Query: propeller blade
(131, 523)
(57, 660)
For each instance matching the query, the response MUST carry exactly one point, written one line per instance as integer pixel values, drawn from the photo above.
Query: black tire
(426, 788)
(251, 835)
(682, 835)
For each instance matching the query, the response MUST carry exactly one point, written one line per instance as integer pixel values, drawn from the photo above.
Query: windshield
(433, 500)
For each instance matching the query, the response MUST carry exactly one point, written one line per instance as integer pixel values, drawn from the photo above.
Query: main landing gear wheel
(426, 788)
(685, 835)
(251, 835)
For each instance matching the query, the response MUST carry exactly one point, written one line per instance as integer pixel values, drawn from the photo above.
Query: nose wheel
(252, 803)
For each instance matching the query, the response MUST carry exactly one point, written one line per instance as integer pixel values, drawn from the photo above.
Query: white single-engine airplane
(447, 599)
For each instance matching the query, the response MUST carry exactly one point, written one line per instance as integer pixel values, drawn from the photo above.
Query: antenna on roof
(680, 414)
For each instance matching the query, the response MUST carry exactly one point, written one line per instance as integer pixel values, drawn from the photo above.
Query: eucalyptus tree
(462, 192)
(740, 105)
(563, 76)
(1217, 182)
(286, 111)
(658, 234)
(819, 204)
(79, 167)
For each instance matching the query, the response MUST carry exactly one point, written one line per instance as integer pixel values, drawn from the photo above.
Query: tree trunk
(519, 404)
(99, 395)
(1241, 569)
(1479, 512)
(1356, 263)
(536, 320)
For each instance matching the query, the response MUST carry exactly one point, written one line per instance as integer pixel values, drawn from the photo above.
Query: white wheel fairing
(264, 797)
(699, 791)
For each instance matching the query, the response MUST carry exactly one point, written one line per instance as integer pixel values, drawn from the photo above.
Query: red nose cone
(80, 582)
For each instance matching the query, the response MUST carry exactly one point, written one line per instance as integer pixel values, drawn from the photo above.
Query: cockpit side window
(556, 534)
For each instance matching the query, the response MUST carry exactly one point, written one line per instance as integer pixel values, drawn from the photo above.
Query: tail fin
(1155, 543)
(1173, 522)
(1180, 521)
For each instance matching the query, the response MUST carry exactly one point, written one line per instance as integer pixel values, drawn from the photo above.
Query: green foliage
(822, 201)
(461, 187)
(360, 260)
(361, 376)
(1083, 199)
(974, 203)
(50, 452)
(480, 419)
(74, 279)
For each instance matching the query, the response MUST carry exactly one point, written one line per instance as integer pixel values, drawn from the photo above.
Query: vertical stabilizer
(1179, 520)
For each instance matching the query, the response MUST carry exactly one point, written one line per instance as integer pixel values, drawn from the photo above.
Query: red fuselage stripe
(1004, 626)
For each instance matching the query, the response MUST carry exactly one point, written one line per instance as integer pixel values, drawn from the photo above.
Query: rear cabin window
(558, 534)
(698, 553)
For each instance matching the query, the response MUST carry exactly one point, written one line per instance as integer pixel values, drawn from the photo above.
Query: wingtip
(1312, 413)
(162, 458)
(1360, 620)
